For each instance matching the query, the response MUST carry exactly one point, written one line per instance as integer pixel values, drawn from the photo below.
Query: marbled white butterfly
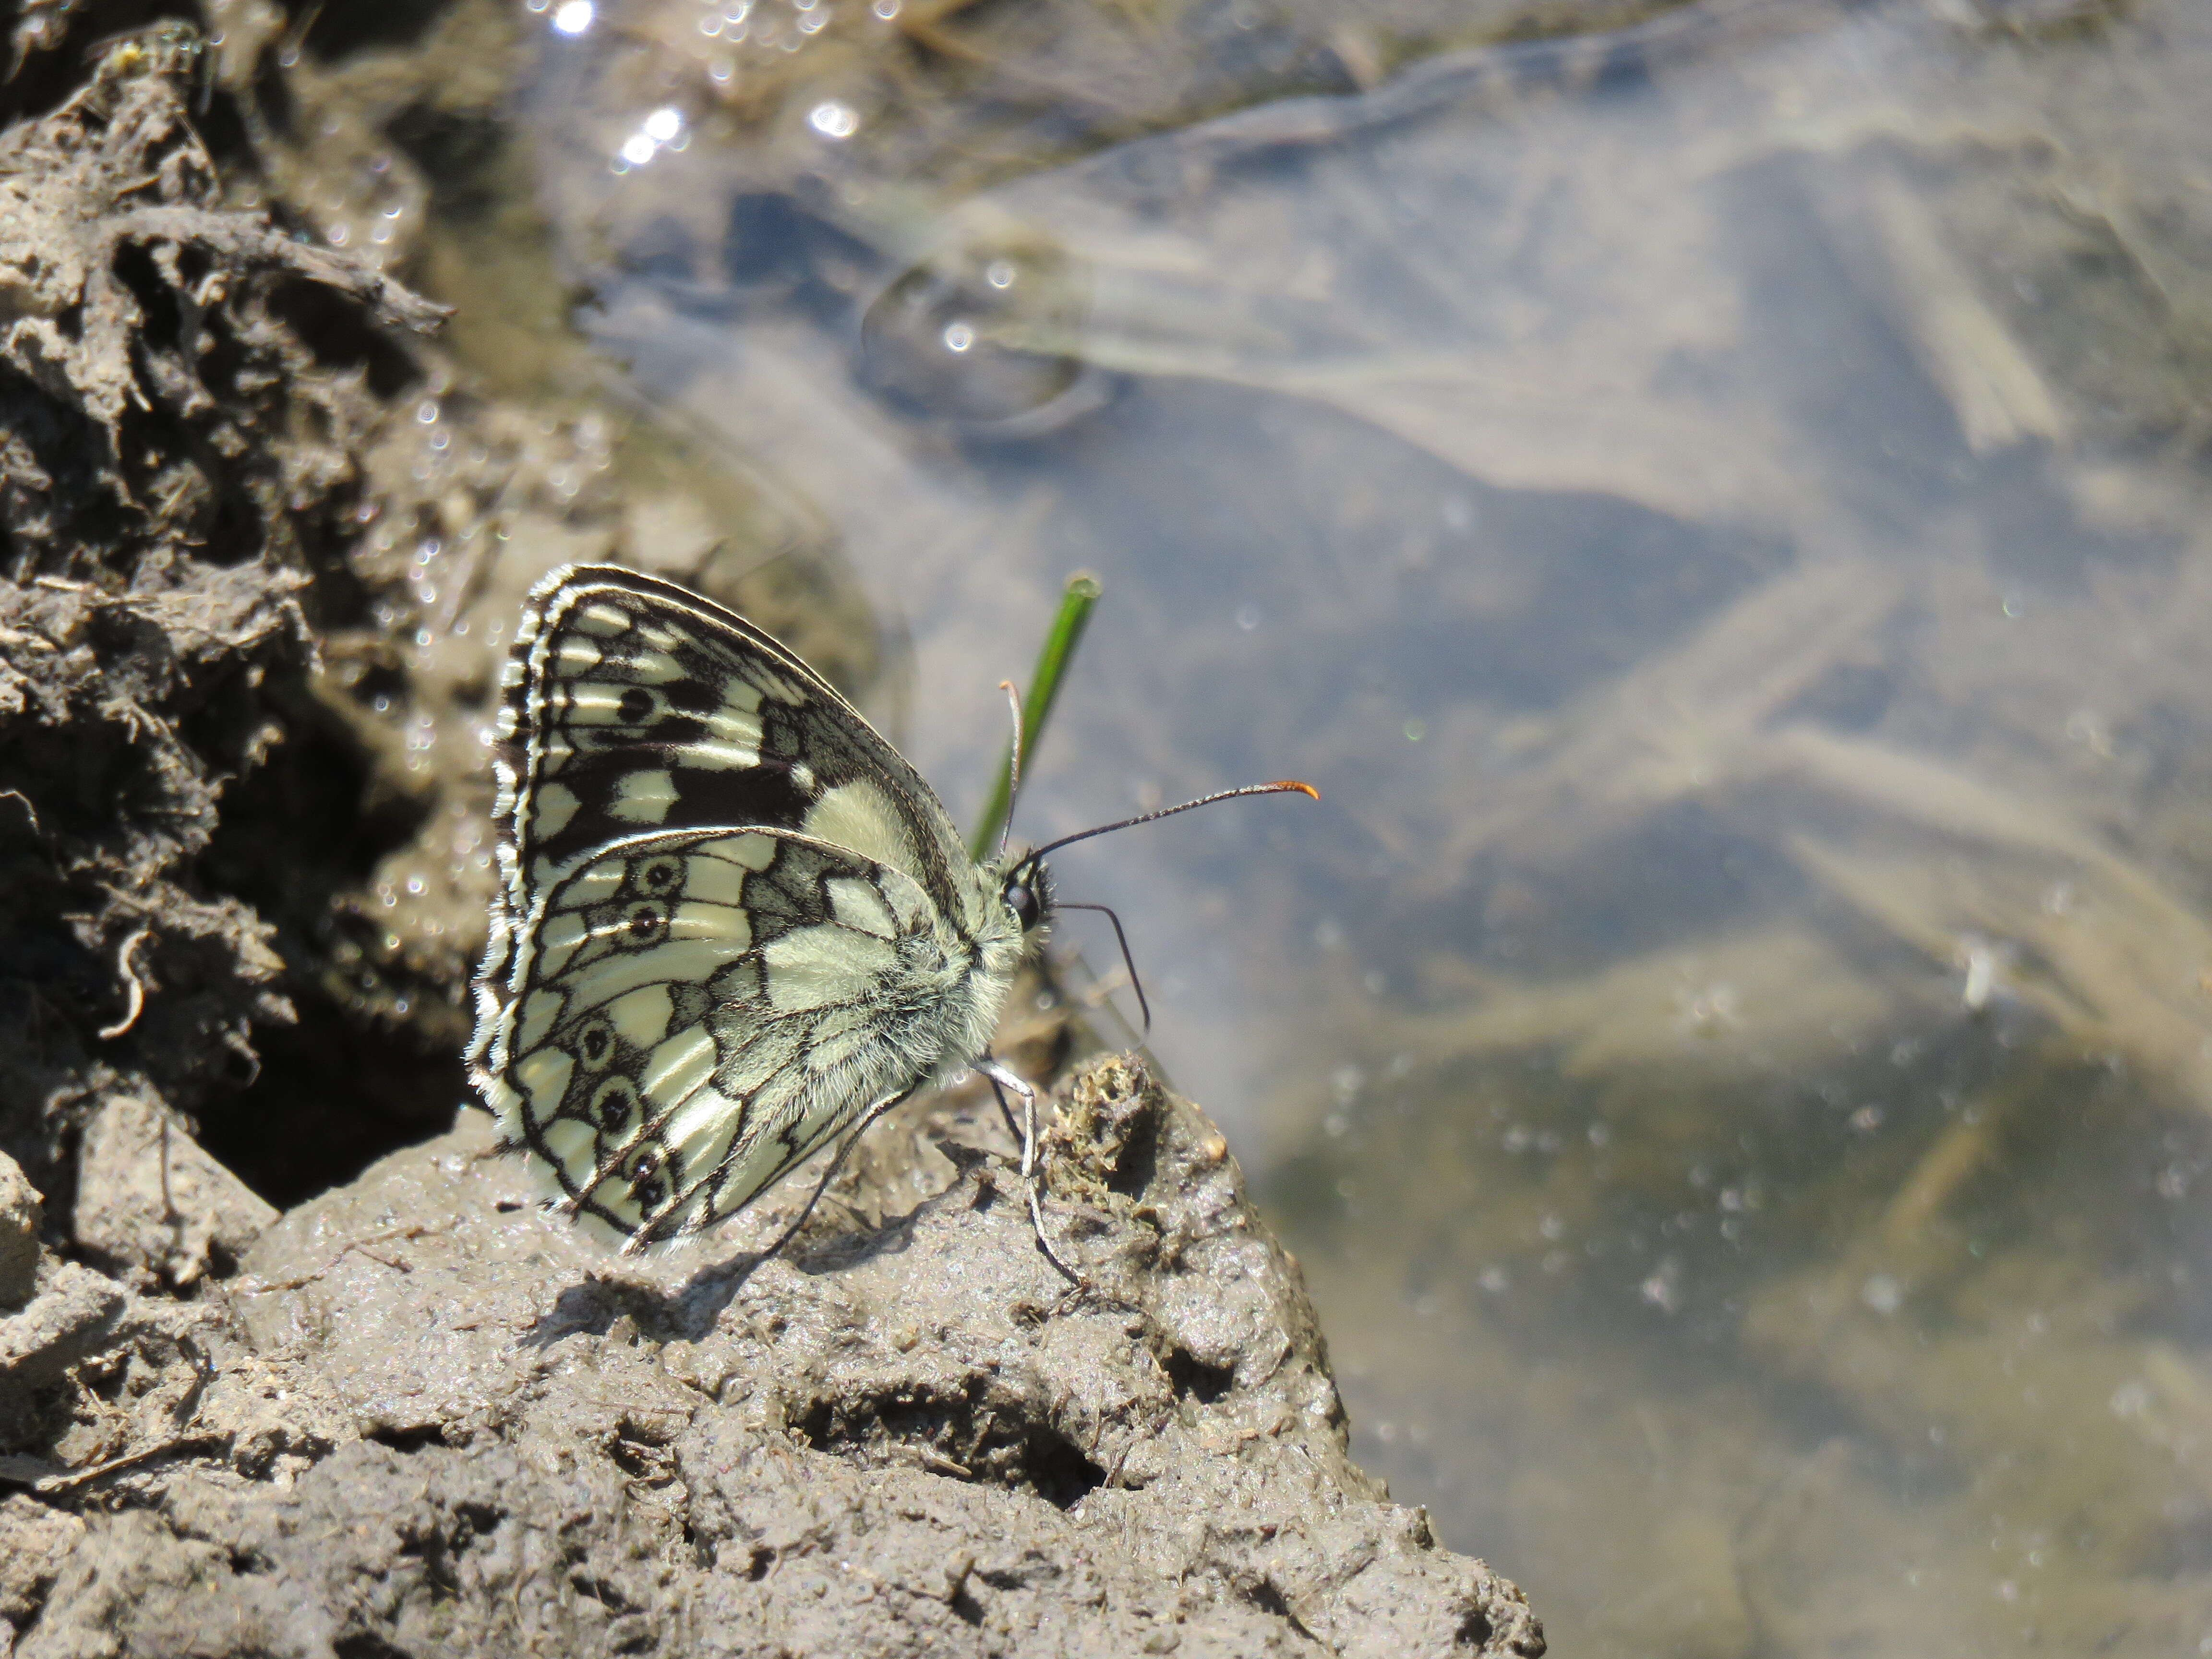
(732, 921)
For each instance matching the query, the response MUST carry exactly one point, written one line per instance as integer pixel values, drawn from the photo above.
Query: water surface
(1716, 498)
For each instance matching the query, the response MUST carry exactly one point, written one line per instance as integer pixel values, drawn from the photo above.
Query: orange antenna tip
(1288, 784)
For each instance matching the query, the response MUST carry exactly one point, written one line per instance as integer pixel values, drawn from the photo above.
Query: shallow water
(1718, 507)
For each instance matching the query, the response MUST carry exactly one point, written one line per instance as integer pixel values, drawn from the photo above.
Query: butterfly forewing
(634, 706)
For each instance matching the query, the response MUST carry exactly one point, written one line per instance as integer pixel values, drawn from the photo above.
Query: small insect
(732, 921)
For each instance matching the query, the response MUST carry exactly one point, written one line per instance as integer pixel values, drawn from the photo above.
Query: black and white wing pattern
(731, 919)
(631, 704)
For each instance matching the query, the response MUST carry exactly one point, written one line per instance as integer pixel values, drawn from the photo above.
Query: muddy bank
(429, 1419)
(258, 541)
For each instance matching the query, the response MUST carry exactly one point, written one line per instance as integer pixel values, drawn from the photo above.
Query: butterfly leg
(1001, 1076)
(829, 1175)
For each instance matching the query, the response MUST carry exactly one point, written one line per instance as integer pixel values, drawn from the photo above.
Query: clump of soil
(432, 1419)
(184, 391)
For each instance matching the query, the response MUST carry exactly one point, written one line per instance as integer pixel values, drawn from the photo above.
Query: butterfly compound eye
(1021, 898)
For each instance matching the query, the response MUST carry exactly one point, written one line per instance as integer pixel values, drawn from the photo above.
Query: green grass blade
(1075, 606)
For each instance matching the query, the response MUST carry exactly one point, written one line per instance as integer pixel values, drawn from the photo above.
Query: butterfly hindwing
(694, 1013)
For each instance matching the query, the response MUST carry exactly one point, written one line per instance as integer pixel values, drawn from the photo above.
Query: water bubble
(637, 150)
(572, 17)
(663, 124)
(1247, 616)
(1000, 273)
(958, 336)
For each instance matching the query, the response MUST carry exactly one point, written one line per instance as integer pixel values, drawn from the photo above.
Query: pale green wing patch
(690, 1015)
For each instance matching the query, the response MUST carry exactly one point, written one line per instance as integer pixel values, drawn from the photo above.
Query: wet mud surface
(429, 1418)
(269, 1386)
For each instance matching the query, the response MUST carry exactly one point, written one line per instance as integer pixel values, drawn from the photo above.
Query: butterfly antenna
(1013, 764)
(1280, 786)
(1129, 962)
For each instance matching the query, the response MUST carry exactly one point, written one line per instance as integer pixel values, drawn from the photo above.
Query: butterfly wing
(731, 919)
(691, 1014)
(633, 705)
